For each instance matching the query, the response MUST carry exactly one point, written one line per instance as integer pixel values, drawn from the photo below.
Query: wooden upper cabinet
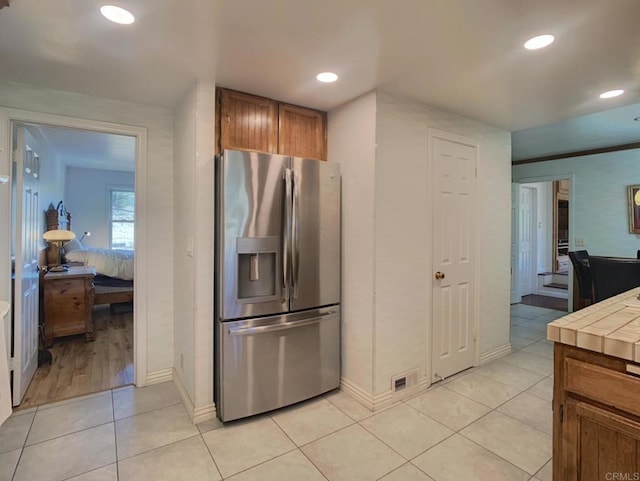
(302, 132)
(248, 122)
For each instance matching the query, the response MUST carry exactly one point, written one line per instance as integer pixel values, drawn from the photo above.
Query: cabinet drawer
(609, 387)
(68, 294)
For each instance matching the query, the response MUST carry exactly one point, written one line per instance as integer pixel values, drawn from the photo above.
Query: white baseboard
(204, 413)
(500, 351)
(197, 414)
(157, 377)
(379, 401)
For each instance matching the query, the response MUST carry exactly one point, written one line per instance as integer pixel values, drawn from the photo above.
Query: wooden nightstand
(68, 303)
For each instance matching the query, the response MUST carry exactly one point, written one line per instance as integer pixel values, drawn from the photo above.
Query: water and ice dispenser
(258, 272)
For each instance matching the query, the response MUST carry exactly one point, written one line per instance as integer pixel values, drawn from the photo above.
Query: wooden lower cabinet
(596, 415)
(68, 303)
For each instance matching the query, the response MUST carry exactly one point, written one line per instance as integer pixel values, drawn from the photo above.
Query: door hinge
(561, 413)
(476, 172)
(13, 364)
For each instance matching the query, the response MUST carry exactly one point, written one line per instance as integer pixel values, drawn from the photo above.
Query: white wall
(87, 199)
(403, 235)
(193, 249)
(600, 210)
(158, 279)
(351, 134)
(184, 154)
(381, 142)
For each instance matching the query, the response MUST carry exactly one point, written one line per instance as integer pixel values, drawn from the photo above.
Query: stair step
(555, 285)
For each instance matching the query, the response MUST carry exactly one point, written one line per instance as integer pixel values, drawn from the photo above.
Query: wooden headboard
(58, 217)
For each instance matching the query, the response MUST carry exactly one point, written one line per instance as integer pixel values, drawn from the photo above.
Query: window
(122, 215)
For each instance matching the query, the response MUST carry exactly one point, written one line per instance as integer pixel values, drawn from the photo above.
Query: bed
(114, 279)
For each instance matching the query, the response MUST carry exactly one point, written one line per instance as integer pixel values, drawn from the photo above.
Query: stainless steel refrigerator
(277, 281)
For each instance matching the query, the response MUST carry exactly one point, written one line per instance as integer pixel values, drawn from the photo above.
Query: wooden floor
(81, 367)
(546, 301)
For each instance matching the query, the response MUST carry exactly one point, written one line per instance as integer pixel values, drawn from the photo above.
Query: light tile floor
(491, 422)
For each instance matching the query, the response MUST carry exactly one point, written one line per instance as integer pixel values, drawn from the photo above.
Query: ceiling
(465, 56)
(91, 150)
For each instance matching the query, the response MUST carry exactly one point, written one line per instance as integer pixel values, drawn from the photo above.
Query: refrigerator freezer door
(315, 234)
(250, 227)
(275, 361)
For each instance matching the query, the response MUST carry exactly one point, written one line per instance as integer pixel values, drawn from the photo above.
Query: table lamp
(57, 238)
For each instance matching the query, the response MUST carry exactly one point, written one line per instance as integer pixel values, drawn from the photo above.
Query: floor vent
(404, 385)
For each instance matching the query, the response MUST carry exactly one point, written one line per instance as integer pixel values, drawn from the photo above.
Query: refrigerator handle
(286, 235)
(295, 234)
(245, 331)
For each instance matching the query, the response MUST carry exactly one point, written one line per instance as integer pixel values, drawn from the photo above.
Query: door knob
(439, 275)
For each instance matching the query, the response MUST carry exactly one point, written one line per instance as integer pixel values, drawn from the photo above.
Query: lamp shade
(58, 235)
(636, 198)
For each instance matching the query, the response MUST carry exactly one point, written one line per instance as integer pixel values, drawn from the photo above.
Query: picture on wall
(634, 208)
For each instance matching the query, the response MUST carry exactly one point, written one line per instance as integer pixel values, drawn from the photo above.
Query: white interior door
(5, 385)
(454, 163)
(515, 201)
(26, 283)
(525, 241)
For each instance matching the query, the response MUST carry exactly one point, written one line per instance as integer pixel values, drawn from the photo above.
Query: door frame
(533, 271)
(572, 180)
(432, 134)
(8, 117)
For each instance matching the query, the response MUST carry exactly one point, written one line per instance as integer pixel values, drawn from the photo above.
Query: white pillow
(78, 255)
(72, 245)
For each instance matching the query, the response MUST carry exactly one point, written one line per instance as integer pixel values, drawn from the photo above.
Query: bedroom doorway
(87, 185)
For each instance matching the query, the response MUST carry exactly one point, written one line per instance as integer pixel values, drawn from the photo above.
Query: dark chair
(579, 259)
(613, 275)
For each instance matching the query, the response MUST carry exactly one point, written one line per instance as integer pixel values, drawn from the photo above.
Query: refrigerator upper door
(315, 245)
(250, 269)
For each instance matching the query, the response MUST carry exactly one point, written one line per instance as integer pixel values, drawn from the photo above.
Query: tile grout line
(504, 459)
(115, 435)
(206, 446)
(24, 444)
(299, 448)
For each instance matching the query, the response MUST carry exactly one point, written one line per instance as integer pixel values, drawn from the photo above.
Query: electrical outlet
(579, 242)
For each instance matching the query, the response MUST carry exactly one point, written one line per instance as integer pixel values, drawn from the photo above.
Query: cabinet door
(248, 122)
(302, 132)
(599, 444)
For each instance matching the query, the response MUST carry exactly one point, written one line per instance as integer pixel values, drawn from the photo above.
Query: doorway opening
(541, 268)
(79, 337)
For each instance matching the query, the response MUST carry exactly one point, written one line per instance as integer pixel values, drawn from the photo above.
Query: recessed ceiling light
(327, 77)
(539, 41)
(117, 14)
(609, 94)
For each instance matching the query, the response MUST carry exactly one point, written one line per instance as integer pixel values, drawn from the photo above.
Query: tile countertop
(4, 308)
(611, 327)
